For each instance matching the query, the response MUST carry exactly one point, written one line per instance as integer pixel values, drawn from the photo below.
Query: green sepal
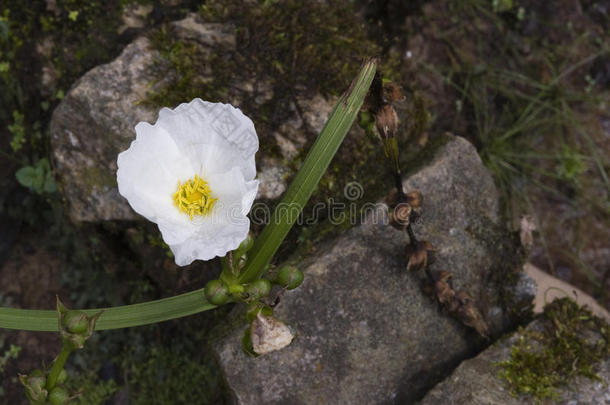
(75, 327)
(59, 396)
(34, 385)
(258, 289)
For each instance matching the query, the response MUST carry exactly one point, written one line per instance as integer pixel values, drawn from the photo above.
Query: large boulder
(96, 119)
(93, 124)
(367, 333)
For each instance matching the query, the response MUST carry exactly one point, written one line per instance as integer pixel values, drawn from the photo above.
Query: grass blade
(112, 318)
(308, 177)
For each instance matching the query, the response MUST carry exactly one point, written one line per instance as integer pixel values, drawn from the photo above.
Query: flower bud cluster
(266, 333)
(219, 292)
(38, 393)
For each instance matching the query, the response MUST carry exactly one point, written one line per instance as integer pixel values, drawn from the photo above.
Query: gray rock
(272, 176)
(93, 124)
(96, 120)
(476, 381)
(366, 331)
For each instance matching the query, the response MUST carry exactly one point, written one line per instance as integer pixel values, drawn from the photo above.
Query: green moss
(96, 178)
(543, 361)
(298, 47)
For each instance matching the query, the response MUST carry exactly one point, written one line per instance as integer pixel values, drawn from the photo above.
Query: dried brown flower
(417, 255)
(444, 292)
(415, 198)
(459, 304)
(400, 216)
(392, 92)
(386, 121)
(392, 199)
(470, 315)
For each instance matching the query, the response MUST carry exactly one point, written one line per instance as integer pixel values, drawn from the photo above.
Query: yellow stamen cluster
(194, 197)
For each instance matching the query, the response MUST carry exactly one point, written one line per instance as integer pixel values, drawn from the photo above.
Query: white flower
(192, 173)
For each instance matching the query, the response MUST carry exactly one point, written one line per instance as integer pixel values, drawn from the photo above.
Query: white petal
(149, 171)
(214, 136)
(234, 193)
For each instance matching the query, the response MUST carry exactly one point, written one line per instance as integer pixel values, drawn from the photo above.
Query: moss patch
(95, 177)
(570, 343)
(296, 46)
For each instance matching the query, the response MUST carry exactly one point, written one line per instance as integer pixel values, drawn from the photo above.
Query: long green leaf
(309, 175)
(112, 318)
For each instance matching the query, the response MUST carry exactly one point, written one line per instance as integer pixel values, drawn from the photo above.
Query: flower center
(194, 197)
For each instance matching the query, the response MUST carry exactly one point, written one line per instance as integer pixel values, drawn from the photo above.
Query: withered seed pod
(418, 255)
(400, 216)
(415, 198)
(387, 121)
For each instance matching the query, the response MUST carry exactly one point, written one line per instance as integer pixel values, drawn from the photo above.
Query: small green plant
(11, 353)
(542, 361)
(17, 129)
(38, 178)
(166, 377)
(91, 390)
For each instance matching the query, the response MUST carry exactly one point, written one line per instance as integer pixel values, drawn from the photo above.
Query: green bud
(75, 327)
(236, 289)
(59, 396)
(34, 386)
(258, 288)
(216, 292)
(75, 322)
(289, 277)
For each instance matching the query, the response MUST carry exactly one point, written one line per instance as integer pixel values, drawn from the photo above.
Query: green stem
(58, 365)
(112, 318)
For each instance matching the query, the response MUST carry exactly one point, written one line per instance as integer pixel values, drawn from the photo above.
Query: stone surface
(93, 124)
(476, 382)
(96, 120)
(551, 288)
(366, 333)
